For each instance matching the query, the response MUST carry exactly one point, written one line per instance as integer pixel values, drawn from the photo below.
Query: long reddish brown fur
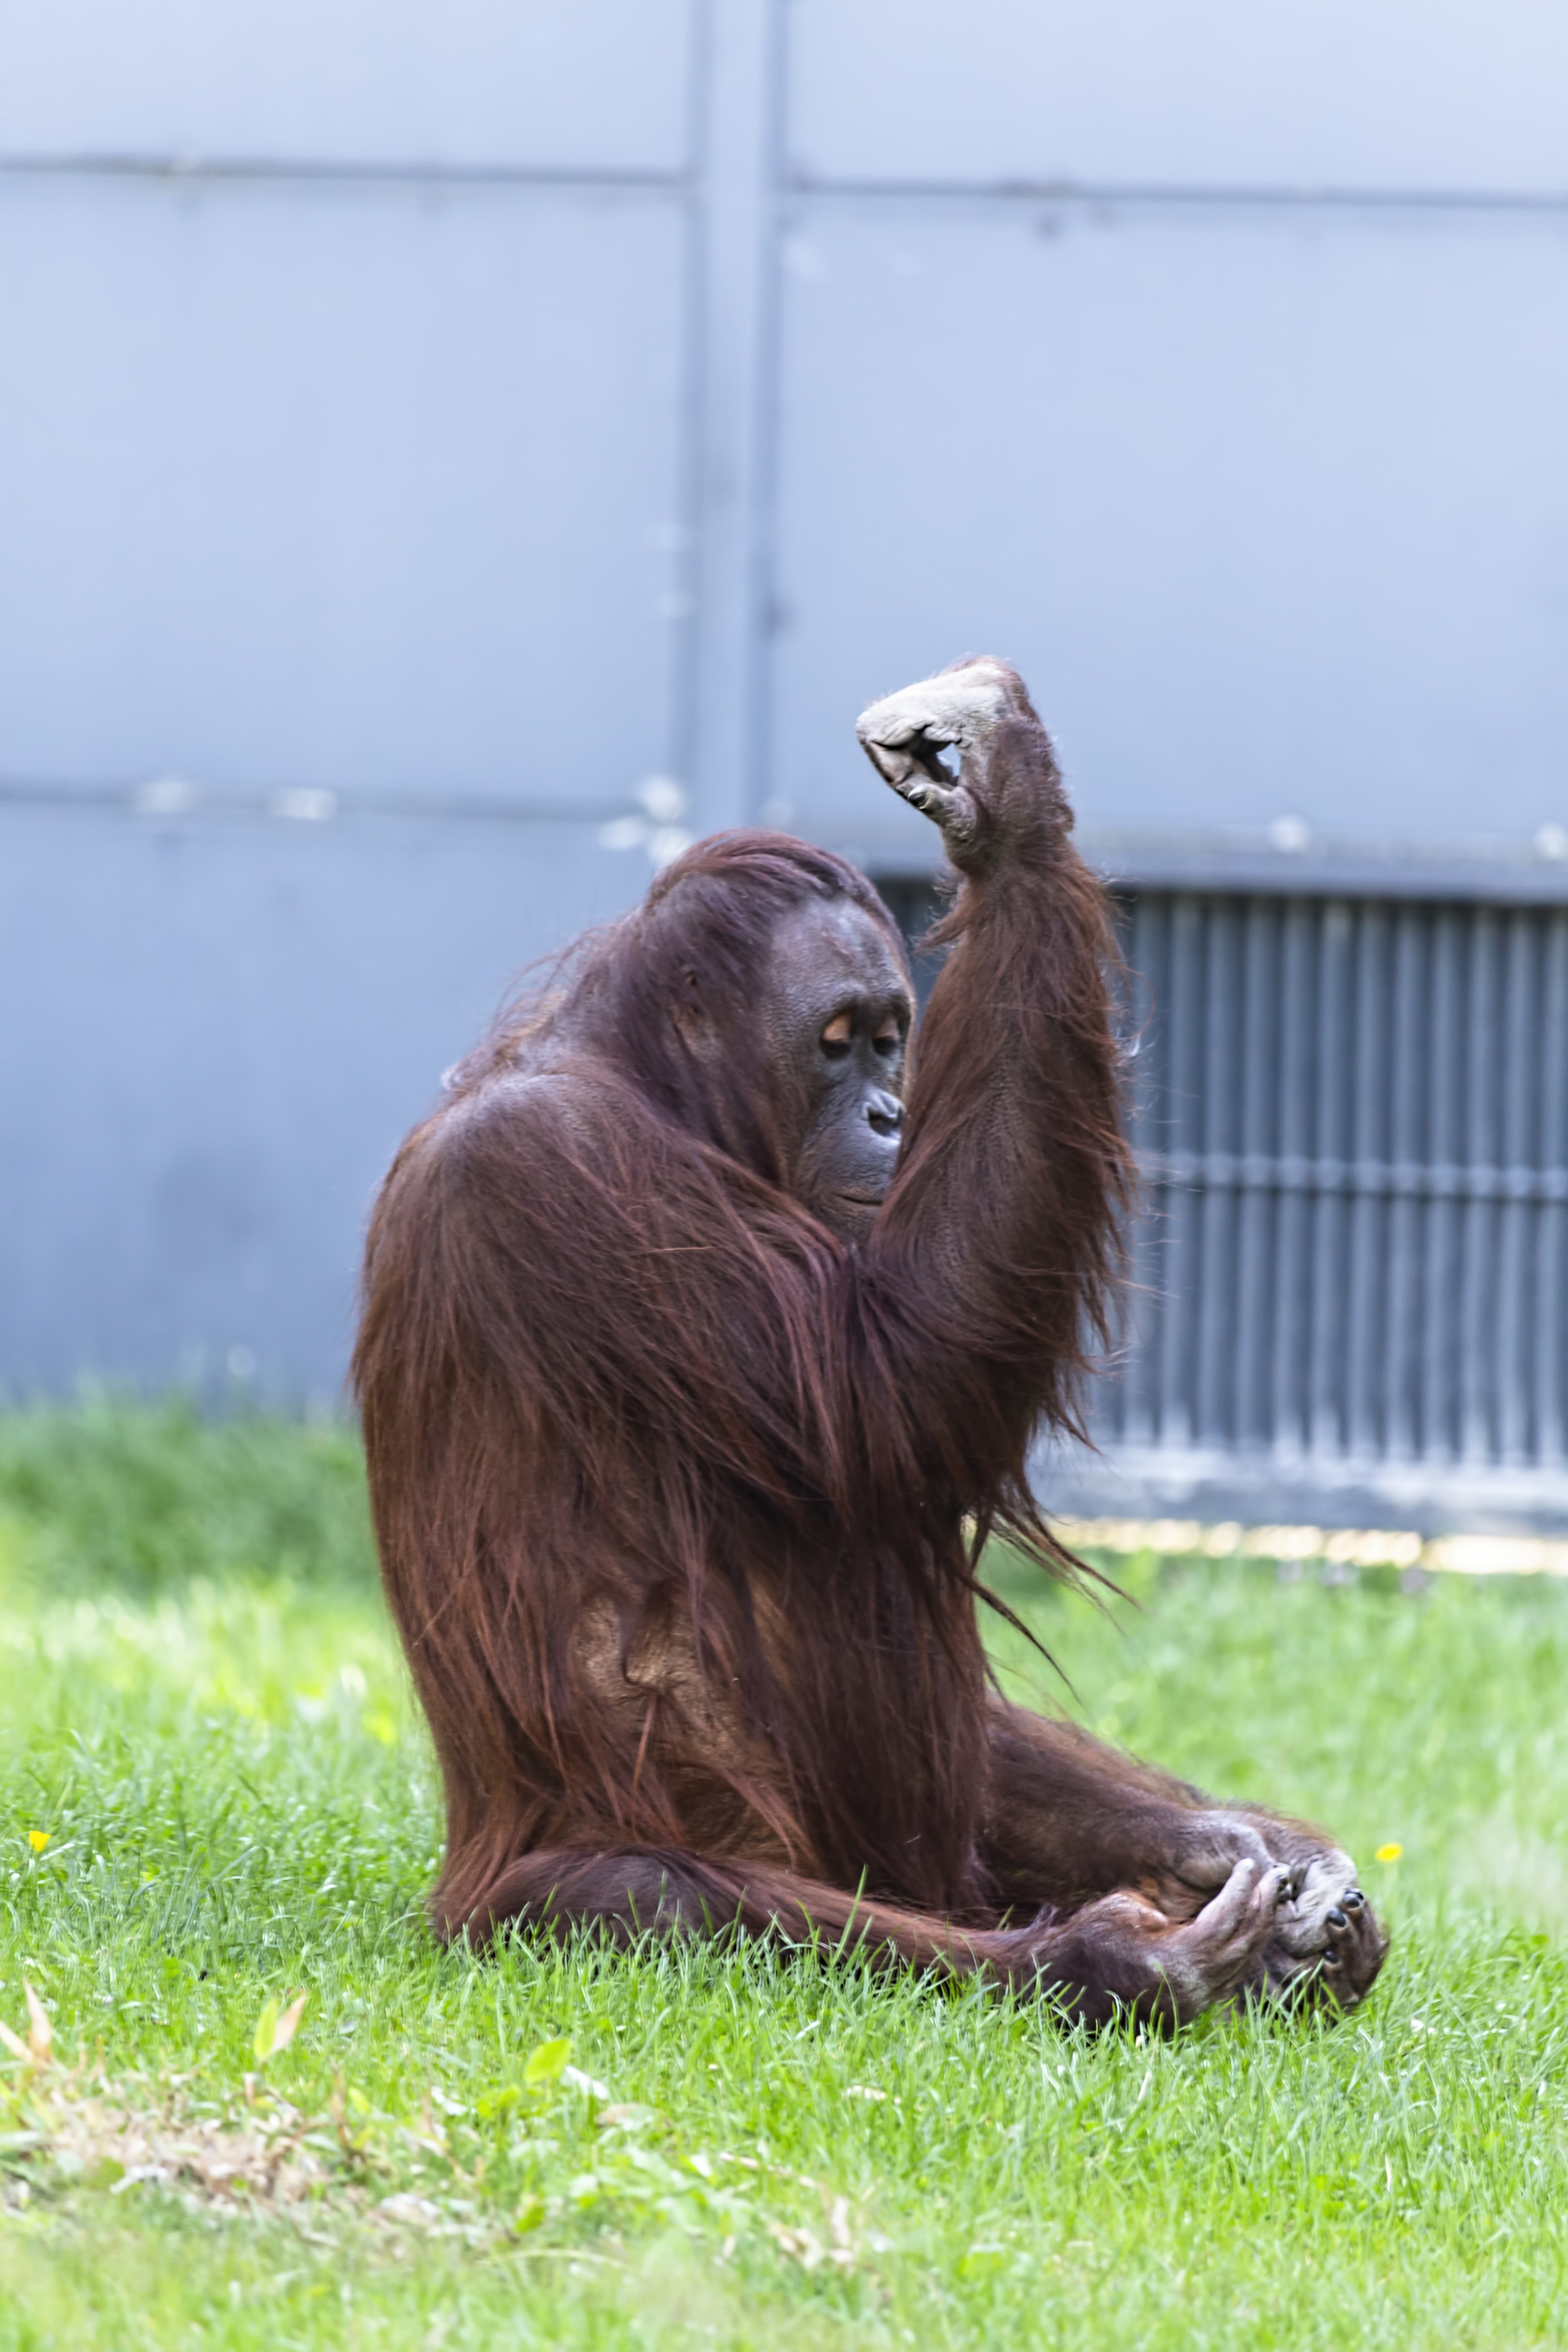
(677, 1494)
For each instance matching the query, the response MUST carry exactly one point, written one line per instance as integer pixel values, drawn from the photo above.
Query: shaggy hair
(677, 1493)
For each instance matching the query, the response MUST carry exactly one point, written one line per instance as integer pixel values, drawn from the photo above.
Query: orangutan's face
(839, 1015)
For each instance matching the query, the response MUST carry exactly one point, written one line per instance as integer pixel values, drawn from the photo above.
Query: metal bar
(1292, 1221)
(1440, 1369)
(1477, 1254)
(1332, 1138)
(1179, 1108)
(1256, 1135)
(1364, 1418)
(1149, 963)
(1407, 1088)
(1553, 1261)
(1517, 1218)
(1215, 1305)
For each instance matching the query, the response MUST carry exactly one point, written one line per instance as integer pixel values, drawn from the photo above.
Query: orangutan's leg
(1121, 1954)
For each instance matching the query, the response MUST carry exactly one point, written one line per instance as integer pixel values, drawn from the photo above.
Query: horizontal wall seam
(634, 180)
(171, 798)
(1174, 194)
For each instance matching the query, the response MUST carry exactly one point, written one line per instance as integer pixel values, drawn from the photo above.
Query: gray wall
(422, 427)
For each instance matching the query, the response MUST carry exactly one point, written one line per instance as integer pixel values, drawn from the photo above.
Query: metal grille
(1352, 1120)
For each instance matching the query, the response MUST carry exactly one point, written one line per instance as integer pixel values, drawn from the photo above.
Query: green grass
(206, 1713)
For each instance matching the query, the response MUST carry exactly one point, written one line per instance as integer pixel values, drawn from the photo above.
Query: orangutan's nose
(886, 1113)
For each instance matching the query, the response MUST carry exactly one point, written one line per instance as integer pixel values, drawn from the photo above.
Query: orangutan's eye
(888, 1040)
(838, 1037)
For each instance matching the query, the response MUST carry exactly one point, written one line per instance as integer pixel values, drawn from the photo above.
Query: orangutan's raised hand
(906, 734)
(962, 710)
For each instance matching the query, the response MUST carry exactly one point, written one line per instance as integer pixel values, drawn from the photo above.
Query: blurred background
(450, 454)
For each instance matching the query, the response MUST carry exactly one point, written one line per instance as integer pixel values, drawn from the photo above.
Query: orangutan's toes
(1328, 1945)
(1317, 1912)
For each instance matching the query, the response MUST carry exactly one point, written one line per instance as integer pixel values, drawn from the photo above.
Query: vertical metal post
(1553, 1258)
(1180, 1267)
(1214, 1310)
(1477, 1338)
(1517, 1220)
(1149, 965)
(1406, 1091)
(1363, 1401)
(740, 112)
(1444, 1142)
(1257, 1138)
(1332, 1143)
(1293, 1225)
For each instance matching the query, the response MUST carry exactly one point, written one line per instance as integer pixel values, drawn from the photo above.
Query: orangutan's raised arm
(996, 1246)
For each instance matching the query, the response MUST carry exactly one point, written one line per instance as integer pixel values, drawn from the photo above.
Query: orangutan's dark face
(839, 1022)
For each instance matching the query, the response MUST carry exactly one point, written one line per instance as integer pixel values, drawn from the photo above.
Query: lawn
(218, 1797)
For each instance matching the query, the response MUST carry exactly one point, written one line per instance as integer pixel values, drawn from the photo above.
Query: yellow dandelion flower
(1389, 1852)
(38, 1839)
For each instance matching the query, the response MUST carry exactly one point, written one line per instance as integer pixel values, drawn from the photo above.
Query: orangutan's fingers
(949, 806)
(960, 706)
(1229, 1910)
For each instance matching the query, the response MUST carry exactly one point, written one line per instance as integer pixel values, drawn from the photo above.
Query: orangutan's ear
(694, 1023)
